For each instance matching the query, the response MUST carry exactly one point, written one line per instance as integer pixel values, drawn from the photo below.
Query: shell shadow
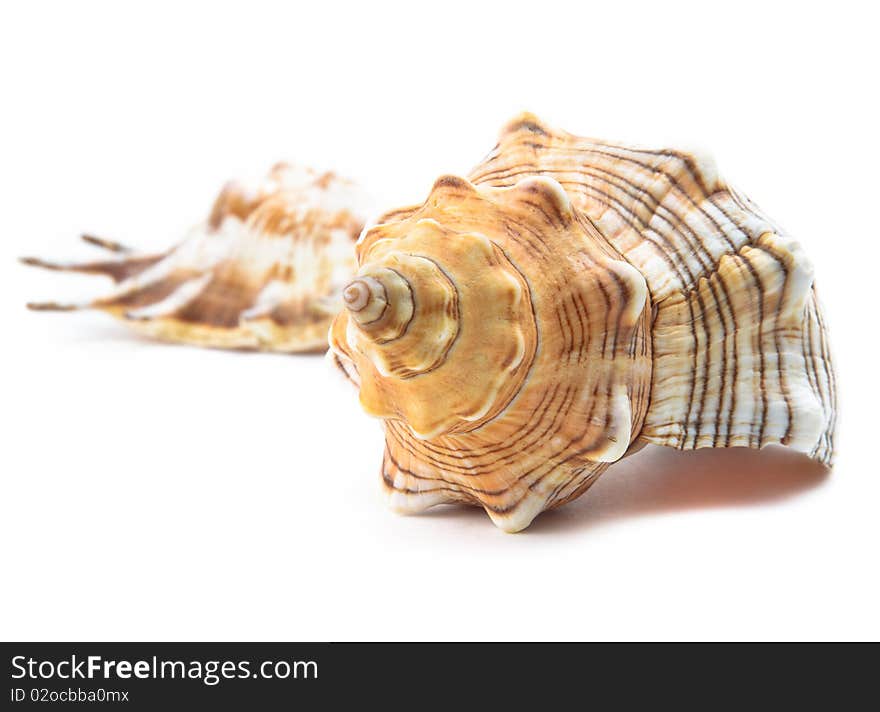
(660, 480)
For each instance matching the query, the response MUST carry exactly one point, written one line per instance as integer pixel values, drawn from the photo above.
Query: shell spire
(568, 302)
(487, 396)
(263, 271)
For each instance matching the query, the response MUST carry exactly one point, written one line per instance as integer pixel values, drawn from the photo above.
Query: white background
(160, 492)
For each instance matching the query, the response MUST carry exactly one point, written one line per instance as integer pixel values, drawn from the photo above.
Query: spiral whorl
(363, 293)
(420, 312)
(526, 363)
(381, 303)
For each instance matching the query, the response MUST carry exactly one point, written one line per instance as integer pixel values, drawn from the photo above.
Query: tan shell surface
(583, 298)
(263, 271)
(547, 375)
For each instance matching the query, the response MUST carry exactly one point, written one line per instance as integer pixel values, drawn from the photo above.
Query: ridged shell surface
(568, 302)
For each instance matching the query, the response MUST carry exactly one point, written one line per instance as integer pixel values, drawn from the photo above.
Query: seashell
(569, 302)
(263, 271)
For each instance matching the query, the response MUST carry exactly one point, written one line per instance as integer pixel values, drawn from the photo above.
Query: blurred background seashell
(263, 271)
(568, 303)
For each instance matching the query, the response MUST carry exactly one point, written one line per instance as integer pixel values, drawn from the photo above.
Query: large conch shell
(569, 302)
(263, 271)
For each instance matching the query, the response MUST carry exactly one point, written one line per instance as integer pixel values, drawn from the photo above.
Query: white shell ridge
(741, 353)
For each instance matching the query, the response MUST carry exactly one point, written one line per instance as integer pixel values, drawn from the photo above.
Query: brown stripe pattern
(663, 307)
(546, 382)
(740, 349)
(264, 270)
